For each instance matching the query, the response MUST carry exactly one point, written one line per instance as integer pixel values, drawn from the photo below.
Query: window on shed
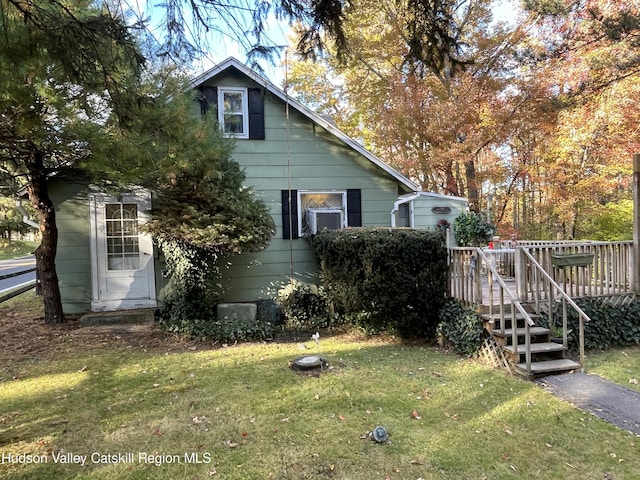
(403, 215)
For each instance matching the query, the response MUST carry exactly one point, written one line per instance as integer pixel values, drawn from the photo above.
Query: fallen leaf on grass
(342, 417)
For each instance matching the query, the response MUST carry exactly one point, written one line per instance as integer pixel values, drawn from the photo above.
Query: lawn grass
(620, 365)
(245, 414)
(16, 248)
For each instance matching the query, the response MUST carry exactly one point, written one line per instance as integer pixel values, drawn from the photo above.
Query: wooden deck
(513, 287)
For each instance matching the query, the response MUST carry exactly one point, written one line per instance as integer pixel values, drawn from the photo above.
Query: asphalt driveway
(609, 401)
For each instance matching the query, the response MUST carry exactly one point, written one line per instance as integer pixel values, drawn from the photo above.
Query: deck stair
(547, 356)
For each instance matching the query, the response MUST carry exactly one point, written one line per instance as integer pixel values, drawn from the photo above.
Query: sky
(225, 46)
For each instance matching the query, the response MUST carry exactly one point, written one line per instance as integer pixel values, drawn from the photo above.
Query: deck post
(521, 274)
(635, 255)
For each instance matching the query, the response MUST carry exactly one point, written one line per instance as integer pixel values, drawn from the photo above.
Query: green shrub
(461, 328)
(383, 279)
(304, 305)
(609, 325)
(226, 330)
(190, 304)
(473, 229)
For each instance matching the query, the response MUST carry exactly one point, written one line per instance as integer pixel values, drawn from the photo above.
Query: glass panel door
(123, 251)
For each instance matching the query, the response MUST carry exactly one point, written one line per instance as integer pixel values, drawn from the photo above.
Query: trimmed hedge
(384, 279)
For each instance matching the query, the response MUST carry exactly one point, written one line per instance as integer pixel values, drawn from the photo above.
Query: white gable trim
(314, 117)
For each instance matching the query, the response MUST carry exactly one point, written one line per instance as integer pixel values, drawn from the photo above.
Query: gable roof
(314, 117)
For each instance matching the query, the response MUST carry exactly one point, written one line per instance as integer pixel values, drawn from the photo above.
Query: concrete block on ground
(240, 312)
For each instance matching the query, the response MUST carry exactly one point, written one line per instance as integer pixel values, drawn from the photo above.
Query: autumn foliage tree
(438, 119)
(532, 117)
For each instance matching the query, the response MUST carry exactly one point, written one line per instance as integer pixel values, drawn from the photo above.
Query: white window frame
(244, 112)
(319, 210)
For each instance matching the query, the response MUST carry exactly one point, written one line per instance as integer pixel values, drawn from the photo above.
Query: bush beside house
(383, 279)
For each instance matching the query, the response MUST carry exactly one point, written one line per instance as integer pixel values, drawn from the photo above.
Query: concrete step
(121, 317)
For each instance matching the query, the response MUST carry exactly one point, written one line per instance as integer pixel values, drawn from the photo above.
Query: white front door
(122, 256)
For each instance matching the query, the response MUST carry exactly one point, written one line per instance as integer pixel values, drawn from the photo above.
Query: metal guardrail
(19, 289)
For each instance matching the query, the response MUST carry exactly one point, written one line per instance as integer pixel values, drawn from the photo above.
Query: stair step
(545, 347)
(521, 331)
(507, 316)
(548, 366)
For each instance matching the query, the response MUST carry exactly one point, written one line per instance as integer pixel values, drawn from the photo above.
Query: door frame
(97, 200)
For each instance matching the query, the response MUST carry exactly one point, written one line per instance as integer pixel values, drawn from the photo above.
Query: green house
(310, 174)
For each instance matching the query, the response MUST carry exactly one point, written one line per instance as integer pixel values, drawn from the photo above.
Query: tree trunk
(46, 253)
(472, 186)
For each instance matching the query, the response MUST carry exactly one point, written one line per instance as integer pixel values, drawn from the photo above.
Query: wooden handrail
(566, 299)
(515, 305)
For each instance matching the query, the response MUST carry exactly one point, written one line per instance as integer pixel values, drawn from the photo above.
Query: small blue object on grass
(379, 435)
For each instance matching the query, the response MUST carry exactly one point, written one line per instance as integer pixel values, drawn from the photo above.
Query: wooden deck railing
(608, 274)
(548, 294)
(506, 297)
(536, 278)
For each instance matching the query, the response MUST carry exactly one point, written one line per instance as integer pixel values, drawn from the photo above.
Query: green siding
(423, 217)
(73, 259)
(296, 154)
(300, 155)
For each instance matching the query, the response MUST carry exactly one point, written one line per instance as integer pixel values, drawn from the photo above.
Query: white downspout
(25, 217)
(396, 207)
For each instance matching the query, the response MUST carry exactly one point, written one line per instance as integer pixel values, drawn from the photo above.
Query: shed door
(122, 256)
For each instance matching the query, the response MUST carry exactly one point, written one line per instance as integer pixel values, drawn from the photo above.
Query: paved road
(16, 265)
(609, 401)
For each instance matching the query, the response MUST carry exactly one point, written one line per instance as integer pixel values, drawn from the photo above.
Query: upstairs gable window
(239, 111)
(233, 112)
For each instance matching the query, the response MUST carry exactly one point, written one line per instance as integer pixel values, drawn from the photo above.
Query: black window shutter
(256, 114)
(208, 100)
(354, 208)
(289, 220)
